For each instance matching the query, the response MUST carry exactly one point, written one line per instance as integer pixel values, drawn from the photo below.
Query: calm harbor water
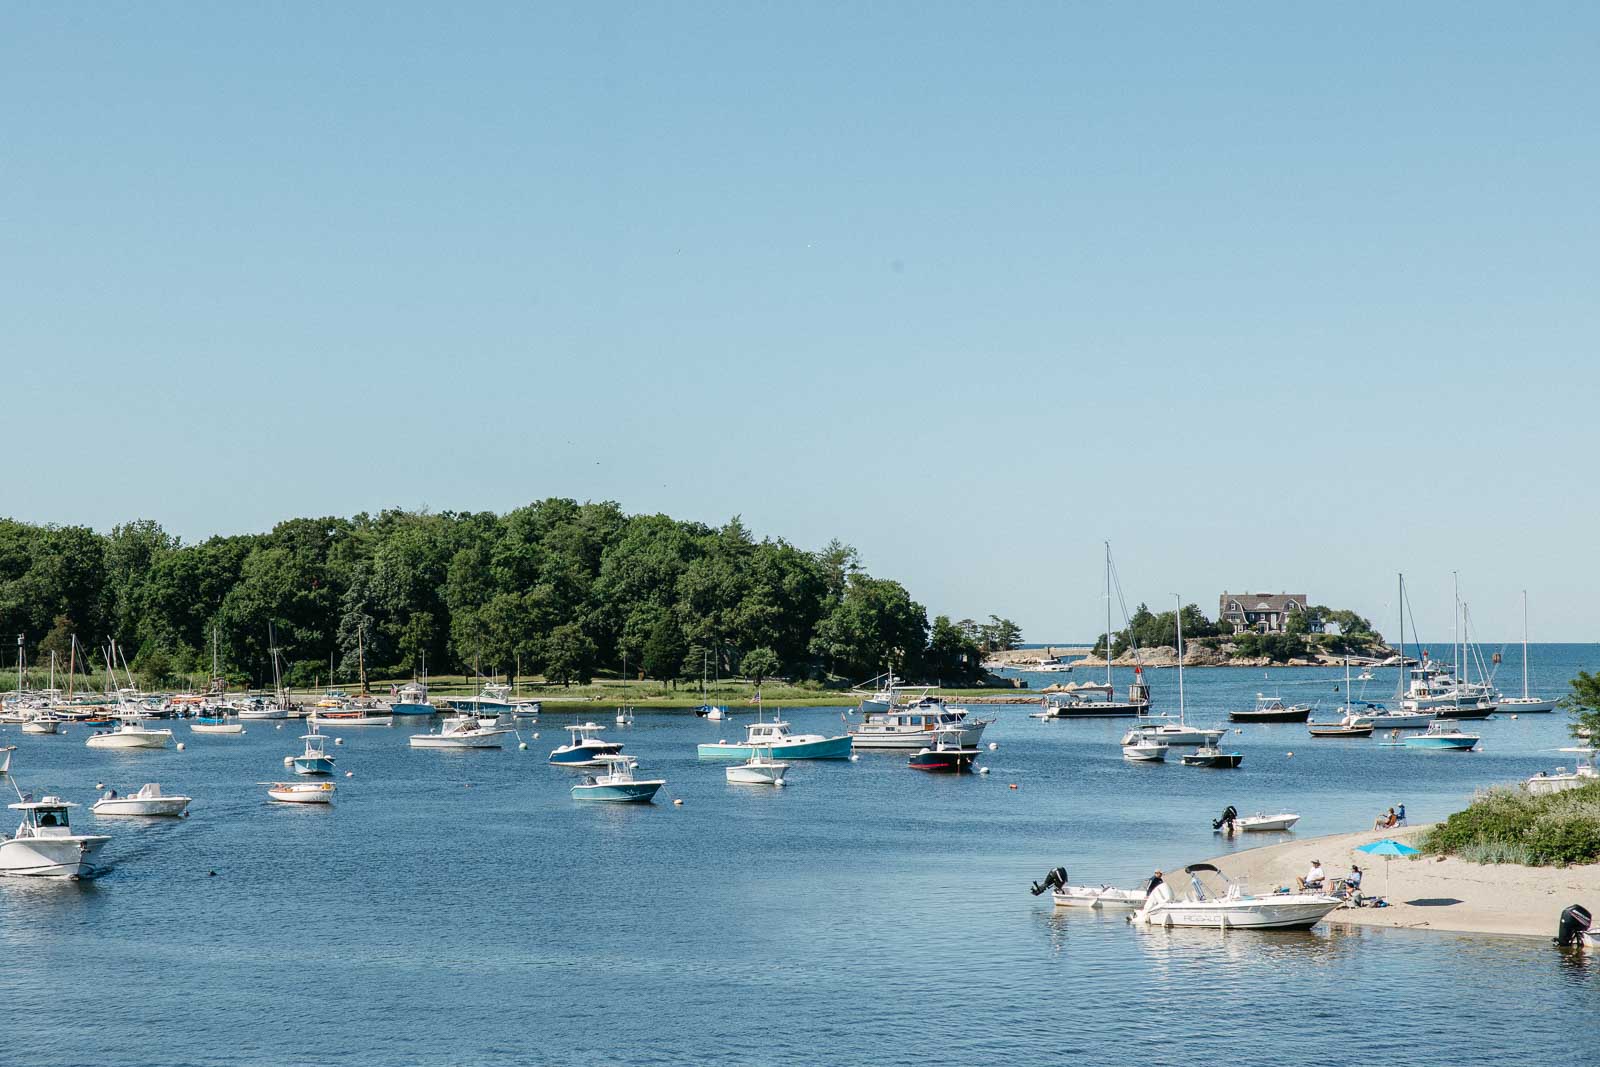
(456, 908)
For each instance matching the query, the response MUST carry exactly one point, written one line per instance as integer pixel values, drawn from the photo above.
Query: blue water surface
(459, 908)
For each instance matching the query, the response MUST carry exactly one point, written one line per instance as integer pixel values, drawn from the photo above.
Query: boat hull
(584, 755)
(351, 720)
(618, 793)
(1221, 761)
(412, 709)
(764, 774)
(942, 762)
(1475, 711)
(911, 740)
(1145, 753)
(1083, 896)
(1286, 715)
(493, 740)
(1267, 824)
(294, 793)
(1341, 731)
(51, 857)
(1094, 709)
(1529, 705)
(313, 765)
(1450, 744)
(821, 748)
(1241, 914)
(152, 806)
(128, 740)
(217, 727)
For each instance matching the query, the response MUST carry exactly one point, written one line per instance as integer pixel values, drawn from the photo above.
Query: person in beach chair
(1400, 816)
(1384, 822)
(1314, 878)
(1349, 887)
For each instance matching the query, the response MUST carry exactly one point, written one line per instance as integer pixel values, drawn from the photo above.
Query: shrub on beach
(1504, 825)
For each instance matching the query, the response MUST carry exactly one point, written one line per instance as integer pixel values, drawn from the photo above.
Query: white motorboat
(1381, 718)
(217, 727)
(350, 715)
(1172, 733)
(912, 726)
(466, 731)
(44, 845)
(41, 724)
(1230, 907)
(301, 792)
(263, 709)
(585, 749)
(149, 800)
(1261, 822)
(624, 716)
(129, 735)
(1064, 895)
(759, 769)
(1144, 750)
(1583, 774)
(617, 784)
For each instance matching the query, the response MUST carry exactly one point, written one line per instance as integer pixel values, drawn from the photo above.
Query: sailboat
(1208, 754)
(708, 710)
(1526, 702)
(1078, 703)
(279, 708)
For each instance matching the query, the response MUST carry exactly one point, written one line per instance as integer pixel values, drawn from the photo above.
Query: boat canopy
(1196, 868)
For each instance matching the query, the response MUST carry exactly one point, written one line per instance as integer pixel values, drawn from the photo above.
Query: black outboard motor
(1229, 814)
(1056, 879)
(1574, 924)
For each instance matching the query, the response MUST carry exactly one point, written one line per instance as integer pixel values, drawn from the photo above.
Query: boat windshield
(48, 817)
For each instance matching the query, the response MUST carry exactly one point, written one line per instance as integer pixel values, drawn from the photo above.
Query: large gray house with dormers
(1266, 613)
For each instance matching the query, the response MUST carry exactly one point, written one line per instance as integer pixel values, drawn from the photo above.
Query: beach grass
(1511, 825)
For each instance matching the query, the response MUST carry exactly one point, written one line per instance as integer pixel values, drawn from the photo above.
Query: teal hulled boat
(775, 736)
(618, 785)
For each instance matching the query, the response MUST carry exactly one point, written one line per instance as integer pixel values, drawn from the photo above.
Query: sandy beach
(1425, 892)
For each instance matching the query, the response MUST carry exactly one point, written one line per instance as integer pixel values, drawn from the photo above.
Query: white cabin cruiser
(149, 800)
(129, 735)
(1230, 907)
(44, 845)
(1171, 733)
(465, 731)
(912, 726)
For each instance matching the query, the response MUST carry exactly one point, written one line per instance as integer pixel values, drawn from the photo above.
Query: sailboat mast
(1400, 689)
(1524, 644)
(1108, 616)
(1179, 615)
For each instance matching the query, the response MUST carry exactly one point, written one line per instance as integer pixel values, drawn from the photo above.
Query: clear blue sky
(1269, 296)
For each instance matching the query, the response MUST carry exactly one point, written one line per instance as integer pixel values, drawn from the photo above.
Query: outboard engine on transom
(1056, 879)
(1575, 922)
(1225, 821)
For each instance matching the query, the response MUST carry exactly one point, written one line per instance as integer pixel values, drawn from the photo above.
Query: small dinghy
(1086, 896)
(1211, 756)
(149, 800)
(301, 792)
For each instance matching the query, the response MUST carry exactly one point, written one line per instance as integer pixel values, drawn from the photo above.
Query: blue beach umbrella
(1388, 848)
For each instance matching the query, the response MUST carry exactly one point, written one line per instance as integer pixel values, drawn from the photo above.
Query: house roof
(1263, 601)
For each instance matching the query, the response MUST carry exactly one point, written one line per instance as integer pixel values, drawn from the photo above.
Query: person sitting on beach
(1400, 816)
(1383, 822)
(1351, 883)
(1314, 877)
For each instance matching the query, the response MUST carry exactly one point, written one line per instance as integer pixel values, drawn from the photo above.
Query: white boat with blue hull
(44, 845)
(617, 785)
(775, 736)
(412, 699)
(585, 749)
(1442, 734)
(315, 759)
